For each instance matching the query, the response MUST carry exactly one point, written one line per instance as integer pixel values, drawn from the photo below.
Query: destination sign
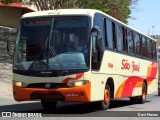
(37, 22)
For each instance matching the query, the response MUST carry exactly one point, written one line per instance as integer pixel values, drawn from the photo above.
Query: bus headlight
(20, 84)
(77, 83)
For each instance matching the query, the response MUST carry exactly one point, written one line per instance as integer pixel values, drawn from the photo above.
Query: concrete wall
(10, 17)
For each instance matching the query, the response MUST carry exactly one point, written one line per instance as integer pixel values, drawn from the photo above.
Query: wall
(10, 17)
(6, 57)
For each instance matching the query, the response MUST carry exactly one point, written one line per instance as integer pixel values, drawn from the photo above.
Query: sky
(147, 17)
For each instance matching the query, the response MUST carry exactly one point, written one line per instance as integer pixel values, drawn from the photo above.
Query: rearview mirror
(95, 31)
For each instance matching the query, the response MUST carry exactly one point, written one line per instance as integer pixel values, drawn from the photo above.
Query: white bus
(82, 55)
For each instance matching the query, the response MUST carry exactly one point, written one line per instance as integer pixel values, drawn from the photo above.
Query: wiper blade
(57, 59)
(31, 66)
(34, 62)
(53, 51)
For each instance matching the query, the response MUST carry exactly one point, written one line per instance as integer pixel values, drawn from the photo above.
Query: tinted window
(130, 42)
(119, 38)
(109, 34)
(154, 51)
(137, 44)
(114, 35)
(125, 43)
(149, 43)
(37, 47)
(144, 47)
(98, 22)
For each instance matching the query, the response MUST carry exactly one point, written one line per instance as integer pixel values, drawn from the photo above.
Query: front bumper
(73, 94)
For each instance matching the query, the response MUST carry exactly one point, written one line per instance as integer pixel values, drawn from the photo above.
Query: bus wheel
(142, 98)
(104, 105)
(48, 105)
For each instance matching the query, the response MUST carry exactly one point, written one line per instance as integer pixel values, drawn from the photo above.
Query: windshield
(53, 43)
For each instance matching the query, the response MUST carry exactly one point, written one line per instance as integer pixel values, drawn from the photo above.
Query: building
(157, 37)
(10, 15)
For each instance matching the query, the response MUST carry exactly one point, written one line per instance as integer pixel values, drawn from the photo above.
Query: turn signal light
(78, 83)
(20, 84)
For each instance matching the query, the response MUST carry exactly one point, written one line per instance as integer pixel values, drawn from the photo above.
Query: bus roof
(66, 12)
(61, 12)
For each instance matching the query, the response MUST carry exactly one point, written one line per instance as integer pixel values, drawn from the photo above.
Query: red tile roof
(17, 5)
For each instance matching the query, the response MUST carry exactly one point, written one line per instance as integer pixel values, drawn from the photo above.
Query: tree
(10, 1)
(119, 9)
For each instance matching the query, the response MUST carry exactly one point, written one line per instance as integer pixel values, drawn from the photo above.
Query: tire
(48, 105)
(159, 93)
(142, 98)
(104, 105)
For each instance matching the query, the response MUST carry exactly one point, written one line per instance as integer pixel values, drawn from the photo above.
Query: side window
(144, 47)
(125, 44)
(119, 38)
(114, 35)
(109, 34)
(130, 42)
(140, 50)
(154, 51)
(99, 22)
(137, 44)
(149, 43)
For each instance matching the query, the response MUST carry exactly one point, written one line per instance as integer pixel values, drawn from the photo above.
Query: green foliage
(97, 4)
(119, 9)
(10, 1)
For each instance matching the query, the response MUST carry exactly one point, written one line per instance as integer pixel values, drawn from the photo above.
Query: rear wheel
(142, 98)
(159, 93)
(104, 104)
(48, 105)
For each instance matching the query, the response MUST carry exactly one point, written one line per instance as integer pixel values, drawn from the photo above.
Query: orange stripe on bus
(127, 87)
(139, 84)
(120, 90)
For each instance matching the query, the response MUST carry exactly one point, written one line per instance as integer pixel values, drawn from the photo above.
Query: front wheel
(48, 105)
(104, 105)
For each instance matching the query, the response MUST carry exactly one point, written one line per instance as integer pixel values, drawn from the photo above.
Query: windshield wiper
(34, 62)
(53, 51)
(58, 60)
(47, 50)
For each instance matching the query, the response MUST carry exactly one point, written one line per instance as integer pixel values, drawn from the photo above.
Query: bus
(117, 62)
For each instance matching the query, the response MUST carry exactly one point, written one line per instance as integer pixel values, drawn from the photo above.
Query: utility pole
(153, 30)
(148, 33)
